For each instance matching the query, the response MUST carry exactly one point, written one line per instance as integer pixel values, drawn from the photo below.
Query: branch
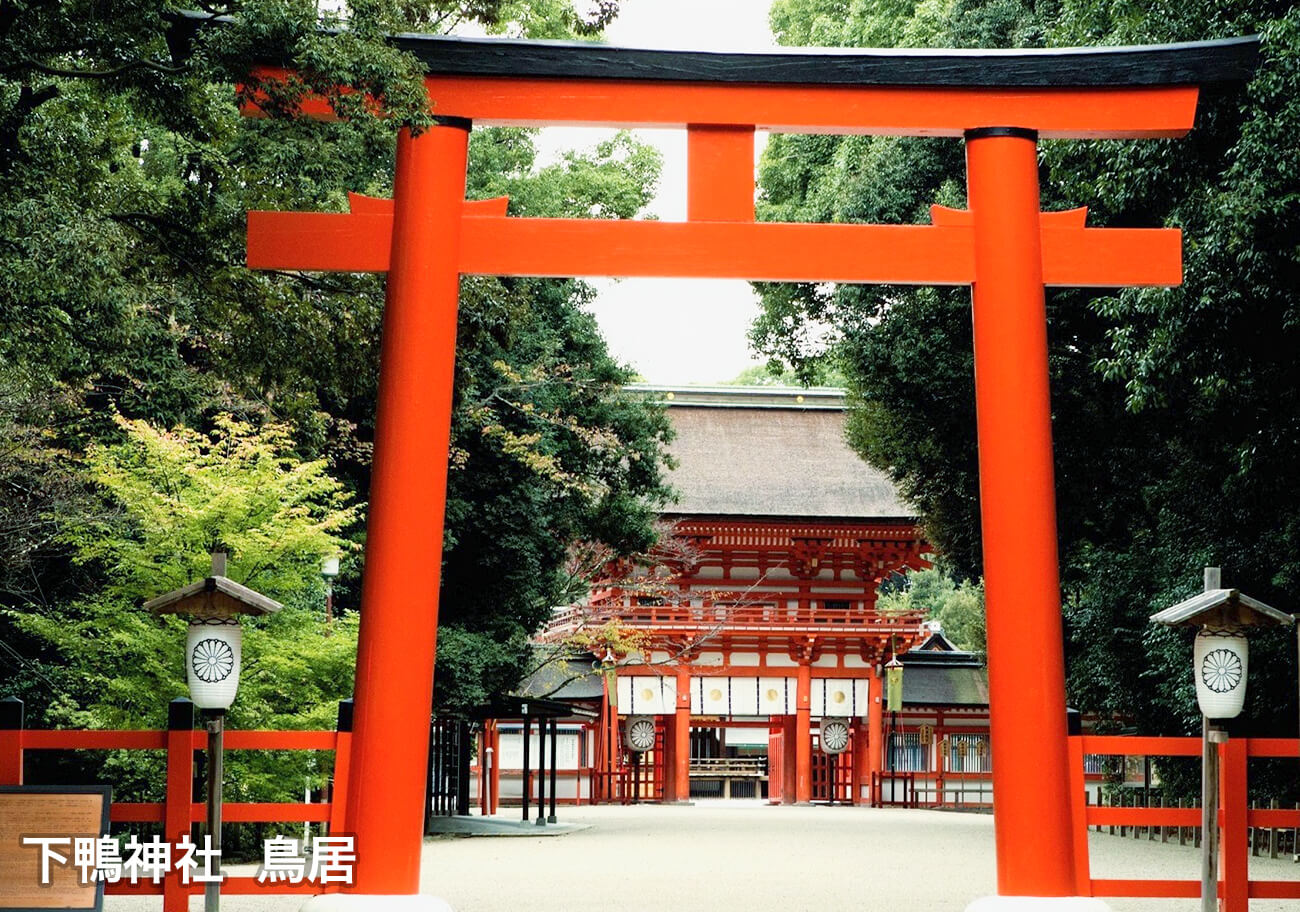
(29, 65)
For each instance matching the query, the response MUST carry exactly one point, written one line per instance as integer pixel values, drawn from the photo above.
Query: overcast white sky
(677, 331)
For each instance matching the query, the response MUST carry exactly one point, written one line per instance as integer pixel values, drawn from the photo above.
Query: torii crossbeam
(1001, 102)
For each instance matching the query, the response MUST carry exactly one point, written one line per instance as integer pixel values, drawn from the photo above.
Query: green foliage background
(132, 336)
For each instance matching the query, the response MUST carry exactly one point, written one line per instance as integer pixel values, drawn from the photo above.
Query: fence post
(342, 766)
(1272, 833)
(178, 805)
(1079, 811)
(1252, 833)
(11, 741)
(1232, 802)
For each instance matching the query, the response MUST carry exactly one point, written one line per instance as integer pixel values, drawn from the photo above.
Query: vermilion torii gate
(1002, 103)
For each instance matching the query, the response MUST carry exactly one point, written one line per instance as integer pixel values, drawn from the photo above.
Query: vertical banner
(894, 685)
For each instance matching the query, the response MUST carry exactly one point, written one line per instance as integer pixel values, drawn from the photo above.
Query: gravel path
(732, 856)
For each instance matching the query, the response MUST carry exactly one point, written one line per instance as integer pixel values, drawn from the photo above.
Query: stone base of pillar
(363, 902)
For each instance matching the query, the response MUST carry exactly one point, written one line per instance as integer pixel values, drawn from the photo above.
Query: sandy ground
(723, 856)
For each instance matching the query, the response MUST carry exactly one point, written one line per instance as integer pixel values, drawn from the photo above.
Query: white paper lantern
(212, 652)
(1221, 658)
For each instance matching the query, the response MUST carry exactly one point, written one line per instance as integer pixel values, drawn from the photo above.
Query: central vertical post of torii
(1026, 664)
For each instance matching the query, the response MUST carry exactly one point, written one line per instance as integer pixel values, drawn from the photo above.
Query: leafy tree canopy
(125, 173)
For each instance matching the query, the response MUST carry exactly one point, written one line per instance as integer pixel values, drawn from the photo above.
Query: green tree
(167, 498)
(957, 606)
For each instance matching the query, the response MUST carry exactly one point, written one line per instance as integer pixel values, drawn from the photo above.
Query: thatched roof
(771, 452)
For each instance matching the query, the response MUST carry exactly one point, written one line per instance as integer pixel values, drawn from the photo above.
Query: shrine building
(757, 669)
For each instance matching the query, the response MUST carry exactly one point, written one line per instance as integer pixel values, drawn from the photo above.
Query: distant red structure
(761, 621)
(1000, 103)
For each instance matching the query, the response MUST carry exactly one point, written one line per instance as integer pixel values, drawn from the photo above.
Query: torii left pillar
(399, 621)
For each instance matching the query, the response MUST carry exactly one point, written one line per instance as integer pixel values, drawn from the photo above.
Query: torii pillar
(403, 566)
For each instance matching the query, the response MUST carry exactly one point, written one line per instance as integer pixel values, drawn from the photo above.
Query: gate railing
(178, 810)
(1236, 888)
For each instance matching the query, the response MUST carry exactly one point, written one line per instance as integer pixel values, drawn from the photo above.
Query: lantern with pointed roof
(214, 641)
(1221, 654)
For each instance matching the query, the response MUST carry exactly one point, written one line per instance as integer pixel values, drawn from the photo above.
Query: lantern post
(1220, 665)
(213, 649)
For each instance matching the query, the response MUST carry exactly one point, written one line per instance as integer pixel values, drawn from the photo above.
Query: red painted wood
(876, 728)
(1140, 746)
(681, 747)
(1275, 889)
(340, 780)
(1274, 747)
(776, 761)
(399, 601)
(1032, 826)
(12, 742)
(140, 812)
(720, 173)
(280, 740)
(1078, 818)
(769, 251)
(266, 812)
(1235, 848)
(1156, 888)
(1141, 816)
(1275, 818)
(69, 739)
(178, 808)
(803, 735)
(1134, 112)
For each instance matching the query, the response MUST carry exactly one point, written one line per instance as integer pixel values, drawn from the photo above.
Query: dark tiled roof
(944, 685)
(564, 680)
(765, 452)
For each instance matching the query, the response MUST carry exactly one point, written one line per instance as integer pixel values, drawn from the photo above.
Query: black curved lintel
(1187, 63)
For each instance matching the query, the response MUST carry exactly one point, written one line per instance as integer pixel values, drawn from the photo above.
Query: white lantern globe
(1221, 659)
(213, 649)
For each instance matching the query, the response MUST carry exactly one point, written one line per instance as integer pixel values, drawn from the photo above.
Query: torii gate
(1001, 102)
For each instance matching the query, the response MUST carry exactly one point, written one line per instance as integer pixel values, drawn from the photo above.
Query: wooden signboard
(66, 812)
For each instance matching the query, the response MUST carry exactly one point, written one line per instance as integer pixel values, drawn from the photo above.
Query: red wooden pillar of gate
(399, 615)
(859, 753)
(1018, 512)
(875, 728)
(681, 750)
(803, 735)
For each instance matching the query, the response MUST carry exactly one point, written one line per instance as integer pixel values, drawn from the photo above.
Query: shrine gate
(1000, 102)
